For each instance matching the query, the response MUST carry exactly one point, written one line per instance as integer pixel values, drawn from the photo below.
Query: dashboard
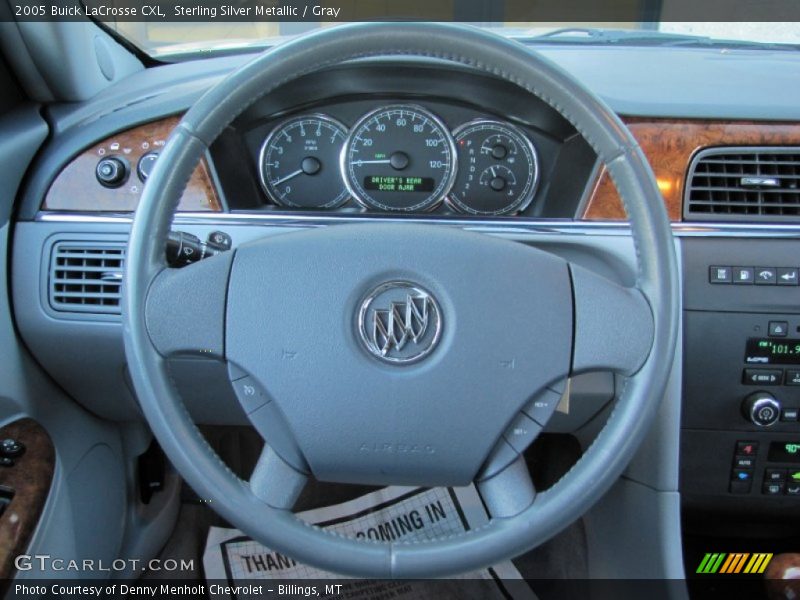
(421, 141)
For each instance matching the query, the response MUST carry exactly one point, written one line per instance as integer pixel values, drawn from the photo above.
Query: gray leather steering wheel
(512, 324)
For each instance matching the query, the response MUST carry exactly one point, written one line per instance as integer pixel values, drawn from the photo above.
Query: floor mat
(390, 514)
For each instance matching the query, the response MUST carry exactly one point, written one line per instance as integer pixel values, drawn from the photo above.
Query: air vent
(86, 277)
(745, 184)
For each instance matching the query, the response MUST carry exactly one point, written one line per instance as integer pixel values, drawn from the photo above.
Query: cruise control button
(778, 328)
(720, 274)
(541, 408)
(743, 275)
(787, 276)
(765, 276)
(773, 489)
(762, 376)
(522, 431)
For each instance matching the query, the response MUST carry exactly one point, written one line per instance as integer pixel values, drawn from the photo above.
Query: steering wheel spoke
(185, 308)
(508, 491)
(614, 325)
(275, 482)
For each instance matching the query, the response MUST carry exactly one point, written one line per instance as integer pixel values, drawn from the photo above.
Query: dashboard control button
(250, 394)
(522, 431)
(761, 409)
(778, 328)
(773, 488)
(742, 475)
(145, 165)
(6, 462)
(11, 448)
(762, 376)
(789, 414)
(772, 475)
(747, 448)
(743, 275)
(740, 487)
(719, 274)
(220, 240)
(765, 276)
(792, 377)
(541, 408)
(793, 488)
(111, 171)
(744, 462)
(787, 276)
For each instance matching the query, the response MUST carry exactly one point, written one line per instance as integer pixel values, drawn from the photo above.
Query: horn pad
(394, 354)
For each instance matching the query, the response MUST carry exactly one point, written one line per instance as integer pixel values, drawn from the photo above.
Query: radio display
(785, 452)
(771, 352)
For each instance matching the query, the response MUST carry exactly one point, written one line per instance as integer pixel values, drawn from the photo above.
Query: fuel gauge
(498, 169)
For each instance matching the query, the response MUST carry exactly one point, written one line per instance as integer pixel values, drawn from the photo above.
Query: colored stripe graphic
(737, 562)
(758, 563)
(711, 562)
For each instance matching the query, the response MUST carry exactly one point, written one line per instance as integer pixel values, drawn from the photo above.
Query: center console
(740, 422)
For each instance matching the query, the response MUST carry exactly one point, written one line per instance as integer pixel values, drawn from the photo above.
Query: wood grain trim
(670, 144)
(76, 188)
(30, 479)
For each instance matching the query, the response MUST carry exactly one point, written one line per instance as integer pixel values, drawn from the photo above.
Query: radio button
(762, 376)
(789, 414)
(793, 377)
(761, 409)
(778, 328)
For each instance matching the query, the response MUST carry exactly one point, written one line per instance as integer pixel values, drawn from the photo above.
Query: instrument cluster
(399, 158)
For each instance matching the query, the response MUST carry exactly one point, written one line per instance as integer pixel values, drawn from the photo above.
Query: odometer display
(399, 158)
(765, 351)
(399, 184)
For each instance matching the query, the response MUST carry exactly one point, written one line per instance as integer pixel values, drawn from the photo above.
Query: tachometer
(299, 163)
(498, 169)
(399, 158)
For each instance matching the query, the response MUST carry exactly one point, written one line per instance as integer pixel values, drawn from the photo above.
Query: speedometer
(399, 158)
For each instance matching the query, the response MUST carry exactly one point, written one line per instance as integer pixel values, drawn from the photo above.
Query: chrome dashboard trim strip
(497, 226)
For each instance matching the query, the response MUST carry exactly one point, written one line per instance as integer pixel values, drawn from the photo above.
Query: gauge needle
(287, 177)
(373, 162)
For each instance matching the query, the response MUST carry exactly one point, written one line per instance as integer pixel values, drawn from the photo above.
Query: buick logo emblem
(399, 322)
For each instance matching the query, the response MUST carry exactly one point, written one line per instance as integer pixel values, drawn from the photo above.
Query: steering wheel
(400, 353)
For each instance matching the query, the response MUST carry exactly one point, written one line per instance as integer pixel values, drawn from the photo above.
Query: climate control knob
(761, 409)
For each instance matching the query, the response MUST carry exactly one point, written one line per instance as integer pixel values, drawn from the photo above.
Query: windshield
(172, 39)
